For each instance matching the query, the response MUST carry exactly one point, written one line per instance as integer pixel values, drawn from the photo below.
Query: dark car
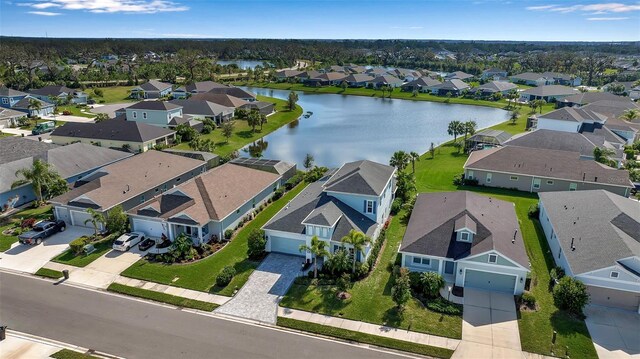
(41, 231)
(146, 244)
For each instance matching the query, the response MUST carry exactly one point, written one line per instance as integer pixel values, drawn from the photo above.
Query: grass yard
(14, 220)
(49, 273)
(242, 134)
(82, 260)
(75, 111)
(4, 134)
(365, 338)
(113, 94)
(70, 354)
(202, 275)
(7, 241)
(162, 297)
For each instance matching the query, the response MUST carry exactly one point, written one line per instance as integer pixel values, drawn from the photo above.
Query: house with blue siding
(206, 206)
(473, 241)
(9, 97)
(157, 113)
(151, 89)
(357, 196)
(24, 105)
(55, 93)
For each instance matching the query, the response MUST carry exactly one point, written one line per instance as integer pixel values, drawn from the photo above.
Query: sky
(522, 20)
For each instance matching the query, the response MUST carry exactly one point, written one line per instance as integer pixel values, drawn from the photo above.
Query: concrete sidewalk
(19, 345)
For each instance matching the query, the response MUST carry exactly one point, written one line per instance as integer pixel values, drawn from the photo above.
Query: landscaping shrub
(344, 282)
(396, 206)
(77, 245)
(117, 221)
(225, 276)
(294, 180)
(528, 299)
(277, 194)
(556, 273)
(228, 234)
(257, 242)
(441, 305)
(375, 250)
(338, 263)
(571, 295)
(315, 174)
(28, 223)
(362, 269)
(534, 211)
(431, 283)
(206, 129)
(401, 290)
(66, 113)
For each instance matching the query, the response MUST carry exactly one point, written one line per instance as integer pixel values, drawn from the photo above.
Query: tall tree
(317, 249)
(399, 160)
(253, 119)
(292, 100)
(469, 129)
(454, 129)
(96, 220)
(40, 175)
(357, 240)
(227, 130)
(36, 106)
(414, 156)
(308, 161)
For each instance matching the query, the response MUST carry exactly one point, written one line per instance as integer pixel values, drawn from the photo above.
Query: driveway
(259, 297)
(489, 326)
(110, 109)
(29, 259)
(615, 333)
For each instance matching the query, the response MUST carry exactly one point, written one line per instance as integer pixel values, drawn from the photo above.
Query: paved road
(132, 329)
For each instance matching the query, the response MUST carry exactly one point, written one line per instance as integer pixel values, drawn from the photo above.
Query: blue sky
(553, 20)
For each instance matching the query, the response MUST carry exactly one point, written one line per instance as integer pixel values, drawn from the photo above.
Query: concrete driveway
(110, 109)
(259, 297)
(489, 326)
(615, 333)
(25, 258)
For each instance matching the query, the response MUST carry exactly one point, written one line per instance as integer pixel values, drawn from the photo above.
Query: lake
(243, 64)
(348, 128)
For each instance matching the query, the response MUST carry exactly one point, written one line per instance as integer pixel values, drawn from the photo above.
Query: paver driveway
(615, 333)
(259, 298)
(489, 326)
(29, 259)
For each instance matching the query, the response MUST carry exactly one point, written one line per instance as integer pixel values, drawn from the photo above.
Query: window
(614, 274)
(493, 258)
(470, 174)
(324, 231)
(536, 183)
(513, 178)
(142, 199)
(464, 236)
(421, 261)
(144, 115)
(368, 206)
(550, 182)
(135, 114)
(573, 186)
(5, 100)
(489, 177)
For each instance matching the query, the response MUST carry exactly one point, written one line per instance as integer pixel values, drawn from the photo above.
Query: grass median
(49, 273)
(162, 297)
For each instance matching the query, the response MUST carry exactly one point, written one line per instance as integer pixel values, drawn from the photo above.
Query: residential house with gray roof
(459, 75)
(358, 80)
(473, 241)
(195, 88)
(9, 117)
(494, 74)
(9, 97)
(202, 109)
(595, 237)
(453, 86)
(494, 87)
(421, 84)
(357, 196)
(55, 93)
(388, 80)
(151, 89)
(156, 113)
(24, 105)
(549, 93)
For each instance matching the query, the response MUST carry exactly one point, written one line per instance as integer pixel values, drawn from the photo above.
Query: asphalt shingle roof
(117, 129)
(154, 106)
(361, 177)
(202, 107)
(8, 92)
(550, 90)
(155, 85)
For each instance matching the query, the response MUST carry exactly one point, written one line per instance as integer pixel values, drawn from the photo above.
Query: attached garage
(78, 218)
(150, 228)
(286, 245)
(614, 298)
(489, 281)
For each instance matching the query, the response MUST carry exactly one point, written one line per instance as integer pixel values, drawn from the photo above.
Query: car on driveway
(146, 244)
(41, 231)
(127, 241)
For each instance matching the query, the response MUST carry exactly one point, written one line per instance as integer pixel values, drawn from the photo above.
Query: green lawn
(162, 297)
(360, 337)
(3, 134)
(7, 241)
(242, 134)
(113, 94)
(69, 258)
(75, 111)
(49, 273)
(202, 275)
(14, 220)
(70, 354)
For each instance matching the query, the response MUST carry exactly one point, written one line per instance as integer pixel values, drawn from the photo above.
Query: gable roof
(288, 73)
(25, 102)
(155, 85)
(453, 84)
(9, 92)
(436, 217)
(358, 77)
(15, 148)
(610, 108)
(424, 81)
(574, 114)
(52, 90)
(117, 129)
(202, 107)
(154, 106)
(233, 91)
(550, 90)
(486, 135)
(589, 217)
(460, 75)
(6, 113)
(584, 98)
(221, 99)
(203, 86)
(528, 76)
(361, 177)
(497, 86)
(560, 140)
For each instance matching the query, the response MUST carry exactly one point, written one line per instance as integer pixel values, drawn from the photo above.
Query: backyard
(113, 94)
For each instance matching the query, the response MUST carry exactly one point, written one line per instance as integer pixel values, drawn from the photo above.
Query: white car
(127, 241)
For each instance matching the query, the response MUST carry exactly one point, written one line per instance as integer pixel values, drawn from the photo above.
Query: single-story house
(549, 93)
(569, 119)
(326, 79)
(202, 109)
(284, 75)
(357, 197)
(151, 89)
(546, 78)
(72, 162)
(196, 87)
(210, 158)
(421, 84)
(493, 87)
(235, 92)
(308, 75)
(454, 87)
(9, 97)
(595, 237)
(337, 68)
(283, 169)
(52, 93)
(265, 108)
(9, 117)
(157, 113)
(207, 205)
(494, 74)
(190, 120)
(543, 170)
(127, 183)
(459, 75)
(584, 98)
(487, 137)
(115, 133)
(24, 105)
(358, 80)
(388, 80)
(471, 240)
(563, 79)
(404, 74)
(356, 69)
(377, 71)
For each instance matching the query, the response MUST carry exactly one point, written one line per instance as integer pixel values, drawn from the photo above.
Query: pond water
(348, 128)
(243, 64)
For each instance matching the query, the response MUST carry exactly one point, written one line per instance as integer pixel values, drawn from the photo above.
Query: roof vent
(514, 236)
(573, 248)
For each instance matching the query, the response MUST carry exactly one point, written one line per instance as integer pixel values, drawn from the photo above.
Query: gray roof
(460, 75)
(386, 79)
(550, 90)
(203, 86)
(529, 76)
(358, 78)
(155, 85)
(436, 216)
(424, 81)
(6, 113)
(361, 177)
(325, 209)
(604, 227)
(233, 91)
(15, 148)
(274, 166)
(611, 108)
(25, 102)
(453, 84)
(202, 107)
(53, 90)
(497, 136)
(497, 86)
(198, 155)
(584, 98)
(154, 105)
(8, 92)
(559, 140)
(574, 114)
(117, 129)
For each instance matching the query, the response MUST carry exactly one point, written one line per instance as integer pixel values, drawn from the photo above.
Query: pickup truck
(41, 231)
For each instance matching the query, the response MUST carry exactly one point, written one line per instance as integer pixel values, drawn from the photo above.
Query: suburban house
(546, 78)
(196, 87)
(493, 87)
(283, 169)
(265, 108)
(207, 205)
(388, 80)
(595, 237)
(54, 93)
(115, 133)
(543, 170)
(9, 117)
(459, 75)
(421, 84)
(24, 105)
(284, 75)
(303, 76)
(549, 93)
(471, 240)
(151, 89)
(563, 79)
(377, 71)
(235, 92)
(584, 98)
(358, 80)
(210, 158)
(357, 196)
(202, 109)
(454, 87)
(71, 162)
(9, 97)
(404, 74)
(127, 183)
(157, 113)
(494, 74)
(326, 79)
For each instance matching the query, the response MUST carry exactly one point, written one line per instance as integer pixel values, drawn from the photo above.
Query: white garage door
(150, 228)
(286, 245)
(78, 218)
(62, 214)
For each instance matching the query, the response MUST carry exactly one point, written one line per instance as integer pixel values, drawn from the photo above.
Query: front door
(448, 267)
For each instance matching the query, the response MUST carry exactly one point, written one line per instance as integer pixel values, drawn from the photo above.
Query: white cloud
(44, 13)
(541, 7)
(602, 8)
(607, 18)
(112, 6)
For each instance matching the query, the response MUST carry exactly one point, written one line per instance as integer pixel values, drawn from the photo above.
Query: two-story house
(9, 97)
(157, 113)
(357, 196)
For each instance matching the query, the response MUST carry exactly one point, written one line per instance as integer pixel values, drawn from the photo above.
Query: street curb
(61, 345)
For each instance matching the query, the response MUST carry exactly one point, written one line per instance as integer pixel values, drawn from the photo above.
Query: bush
(534, 211)
(315, 174)
(294, 180)
(117, 221)
(28, 223)
(338, 263)
(257, 242)
(396, 206)
(401, 290)
(362, 269)
(77, 245)
(528, 299)
(431, 283)
(66, 113)
(206, 129)
(228, 234)
(571, 295)
(225, 276)
(556, 273)
(344, 282)
(441, 305)
(277, 194)
(375, 250)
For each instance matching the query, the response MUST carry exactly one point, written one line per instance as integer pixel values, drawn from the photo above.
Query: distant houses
(546, 78)
(54, 94)
(549, 93)
(152, 89)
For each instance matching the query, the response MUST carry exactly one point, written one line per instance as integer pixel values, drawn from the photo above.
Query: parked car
(41, 231)
(127, 241)
(43, 127)
(146, 244)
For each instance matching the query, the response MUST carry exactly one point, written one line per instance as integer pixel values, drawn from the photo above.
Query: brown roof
(116, 183)
(211, 196)
(563, 165)
(220, 99)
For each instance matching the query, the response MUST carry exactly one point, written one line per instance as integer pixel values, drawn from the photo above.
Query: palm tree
(38, 175)
(414, 156)
(357, 240)
(541, 103)
(399, 160)
(454, 129)
(630, 114)
(317, 248)
(514, 117)
(469, 129)
(35, 106)
(308, 161)
(96, 220)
